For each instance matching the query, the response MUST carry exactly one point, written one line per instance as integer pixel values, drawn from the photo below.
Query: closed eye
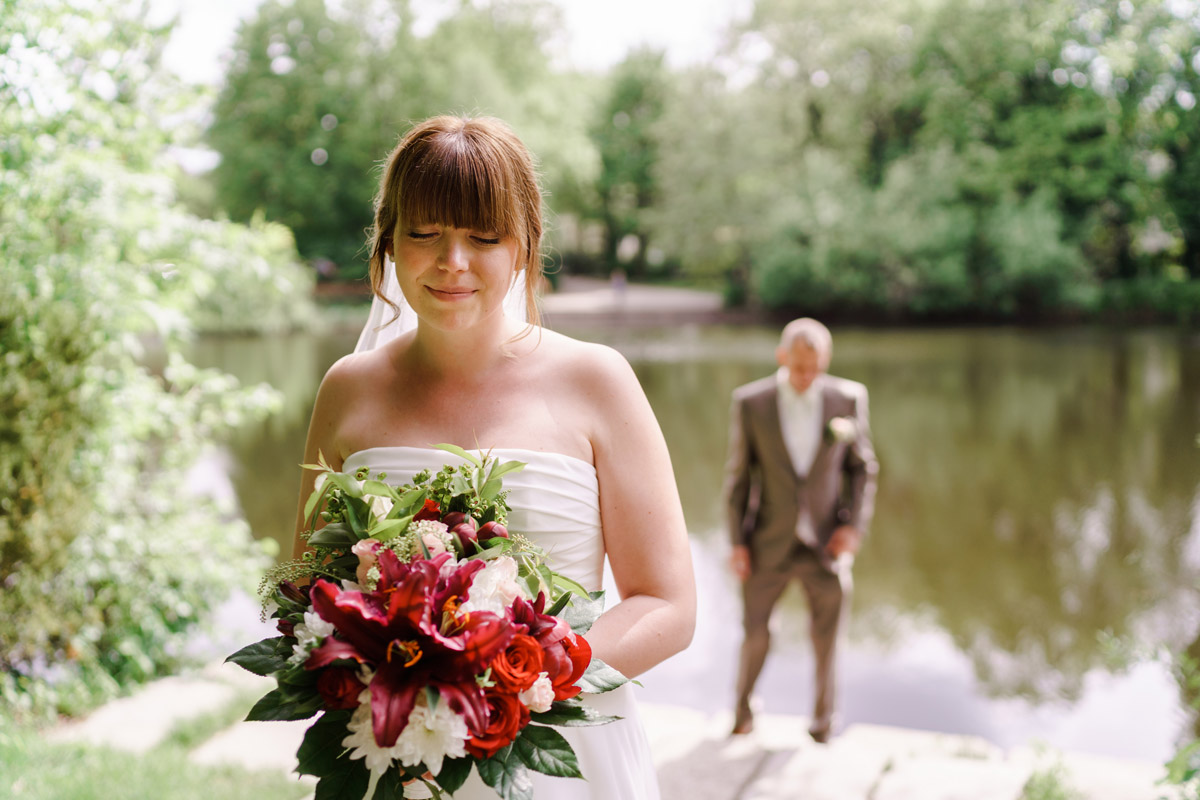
(487, 239)
(420, 236)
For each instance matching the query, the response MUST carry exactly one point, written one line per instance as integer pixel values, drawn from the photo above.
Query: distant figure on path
(800, 491)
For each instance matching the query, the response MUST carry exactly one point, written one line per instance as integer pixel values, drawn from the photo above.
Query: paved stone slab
(835, 771)
(950, 778)
(1101, 777)
(255, 745)
(142, 720)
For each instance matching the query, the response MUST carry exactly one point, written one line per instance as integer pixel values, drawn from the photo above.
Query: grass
(32, 768)
(1049, 783)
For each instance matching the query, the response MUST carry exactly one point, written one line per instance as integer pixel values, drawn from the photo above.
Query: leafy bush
(930, 241)
(107, 559)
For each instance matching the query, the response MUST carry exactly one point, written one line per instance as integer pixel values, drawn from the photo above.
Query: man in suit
(800, 490)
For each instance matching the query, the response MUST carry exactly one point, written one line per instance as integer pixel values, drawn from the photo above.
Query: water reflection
(1037, 488)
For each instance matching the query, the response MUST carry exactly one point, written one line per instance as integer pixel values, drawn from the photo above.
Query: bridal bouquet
(430, 640)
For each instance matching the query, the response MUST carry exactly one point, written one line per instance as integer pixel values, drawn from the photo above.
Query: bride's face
(454, 278)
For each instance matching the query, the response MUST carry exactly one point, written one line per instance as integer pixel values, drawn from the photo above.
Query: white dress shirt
(800, 419)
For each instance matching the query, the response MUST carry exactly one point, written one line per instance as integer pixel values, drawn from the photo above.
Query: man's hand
(739, 561)
(845, 539)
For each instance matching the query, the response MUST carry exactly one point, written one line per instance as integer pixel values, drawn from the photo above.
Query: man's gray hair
(810, 332)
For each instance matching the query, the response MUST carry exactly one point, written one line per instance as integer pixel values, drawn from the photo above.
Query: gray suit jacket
(763, 493)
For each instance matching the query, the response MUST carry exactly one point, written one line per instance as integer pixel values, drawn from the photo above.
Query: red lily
(410, 633)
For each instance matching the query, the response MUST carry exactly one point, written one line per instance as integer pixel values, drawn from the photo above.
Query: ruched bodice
(555, 500)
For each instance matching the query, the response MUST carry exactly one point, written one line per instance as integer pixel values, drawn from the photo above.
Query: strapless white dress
(555, 501)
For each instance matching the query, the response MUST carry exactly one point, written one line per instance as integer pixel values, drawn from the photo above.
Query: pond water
(1036, 544)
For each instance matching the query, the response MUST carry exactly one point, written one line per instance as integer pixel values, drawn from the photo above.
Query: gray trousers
(828, 605)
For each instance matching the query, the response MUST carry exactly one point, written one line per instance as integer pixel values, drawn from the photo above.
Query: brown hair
(462, 172)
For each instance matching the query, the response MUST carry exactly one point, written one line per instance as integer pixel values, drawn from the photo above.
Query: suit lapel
(773, 429)
(829, 401)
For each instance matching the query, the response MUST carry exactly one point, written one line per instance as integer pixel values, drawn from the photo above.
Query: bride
(458, 226)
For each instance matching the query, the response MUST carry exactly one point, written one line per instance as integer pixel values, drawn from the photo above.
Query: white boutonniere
(842, 429)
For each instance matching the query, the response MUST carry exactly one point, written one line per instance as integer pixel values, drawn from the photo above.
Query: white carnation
(432, 736)
(318, 626)
(494, 587)
(361, 741)
(428, 737)
(308, 635)
(540, 696)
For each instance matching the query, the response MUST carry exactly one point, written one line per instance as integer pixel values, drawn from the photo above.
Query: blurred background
(996, 206)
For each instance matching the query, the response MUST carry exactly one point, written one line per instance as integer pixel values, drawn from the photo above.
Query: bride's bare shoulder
(587, 365)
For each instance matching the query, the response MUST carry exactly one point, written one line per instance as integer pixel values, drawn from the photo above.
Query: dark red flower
(506, 717)
(430, 510)
(565, 663)
(339, 688)
(410, 632)
(492, 530)
(565, 656)
(516, 669)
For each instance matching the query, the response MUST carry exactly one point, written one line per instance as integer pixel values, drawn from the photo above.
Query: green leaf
(389, 529)
(278, 705)
(263, 658)
(559, 605)
(507, 774)
(463, 454)
(545, 750)
(490, 490)
(346, 482)
(572, 714)
(583, 611)
(454, 774)
(379, 489)
(343, 566)
(322, 747)
(412, 500)
(350, 781)
(503, 468)
(533, 582)
(335, 534)
(600, 677)
(310, 505)
(574, 587)
(357, 514)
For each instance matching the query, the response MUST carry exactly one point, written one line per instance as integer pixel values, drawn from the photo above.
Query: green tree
(314, 100)
(302, 118)
(840, 119)
(625, 137)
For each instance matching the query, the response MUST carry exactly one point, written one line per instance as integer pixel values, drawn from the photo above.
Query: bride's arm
(321, 440)
(644, 532)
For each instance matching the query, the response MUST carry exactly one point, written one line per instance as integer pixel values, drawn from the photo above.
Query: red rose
(516, 669)
(565, 662)
(565, 656)
(429, 511)
(506, 717)
(339, 688)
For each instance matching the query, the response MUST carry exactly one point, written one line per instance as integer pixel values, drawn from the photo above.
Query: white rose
(381, 506)
(540, 696)
(494, 587)
(843, 429)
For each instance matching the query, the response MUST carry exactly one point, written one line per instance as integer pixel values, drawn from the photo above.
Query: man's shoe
(820, 737)
(742, 727)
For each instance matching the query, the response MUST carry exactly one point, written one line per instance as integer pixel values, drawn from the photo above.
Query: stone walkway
(696, 758)
(591, 300)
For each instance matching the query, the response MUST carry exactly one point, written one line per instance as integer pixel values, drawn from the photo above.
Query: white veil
(381, 328)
